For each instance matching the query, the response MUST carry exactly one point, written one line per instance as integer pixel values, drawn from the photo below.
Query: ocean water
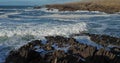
(20, 25)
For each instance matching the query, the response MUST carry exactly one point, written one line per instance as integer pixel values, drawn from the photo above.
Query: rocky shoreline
(107, 6)
(59, 49)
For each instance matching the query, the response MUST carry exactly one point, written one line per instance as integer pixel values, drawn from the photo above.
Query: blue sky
(32, 2)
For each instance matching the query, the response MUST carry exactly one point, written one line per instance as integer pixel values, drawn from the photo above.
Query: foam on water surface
(17, 35)
(46, 10)
(72, 16)
(86, 40)
(43, 29)
(26, 25)
(78, 11)
(7, 14)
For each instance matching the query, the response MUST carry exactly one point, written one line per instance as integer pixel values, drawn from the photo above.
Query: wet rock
(103, 56)
(56, 39)
(31, 45)
(72, 41)
(104, 40)
(37, 7)
(48, 47)
(105, 53)
(22, 56)
(75, 52)
(115, 50)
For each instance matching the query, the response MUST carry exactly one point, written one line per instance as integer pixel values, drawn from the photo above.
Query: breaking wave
(19, 26)
(15, 37)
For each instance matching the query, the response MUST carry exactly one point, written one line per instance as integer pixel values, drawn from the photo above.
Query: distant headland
(107, 6)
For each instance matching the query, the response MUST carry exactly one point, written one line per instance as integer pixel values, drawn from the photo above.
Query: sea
(22, 24)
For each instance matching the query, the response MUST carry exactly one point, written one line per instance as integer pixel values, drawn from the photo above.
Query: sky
(33, 2)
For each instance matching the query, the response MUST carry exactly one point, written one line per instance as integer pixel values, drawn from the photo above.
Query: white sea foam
(51, 10)
(85, 11)
(69, 20)
(27, 32)
(65, 48)
(86, 40)
(73, 16)
(81, 11)
(78, 11)
(14, 34)
(6, 14)
(44, 30)
(27, 10)
(1, 12)
(67, 16)
(16, 37)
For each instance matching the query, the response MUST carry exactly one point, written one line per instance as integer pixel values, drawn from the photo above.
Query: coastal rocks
(104, 40)
(37, 7)
(105, 56)
(22, 56)
(59, 49)
(107, 6)
(62, 8)
(115, 50)
(25, 54)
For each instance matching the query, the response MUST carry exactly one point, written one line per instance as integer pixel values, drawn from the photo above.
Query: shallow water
(21, 25)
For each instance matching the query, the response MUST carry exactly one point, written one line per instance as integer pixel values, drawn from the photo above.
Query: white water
(72, 16)
(14, 34)
(86, 40)
(24, 25)
(7, 14)
(43, 30)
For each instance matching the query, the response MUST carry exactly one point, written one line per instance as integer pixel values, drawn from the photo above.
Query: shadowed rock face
(59, 49)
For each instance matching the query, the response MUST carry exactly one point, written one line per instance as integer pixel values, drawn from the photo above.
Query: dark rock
(76, 52)
(56, 39)
(37, 7)
(48, 47)
(115, 50)
(104, 40)
(22, 56)
(103, 56)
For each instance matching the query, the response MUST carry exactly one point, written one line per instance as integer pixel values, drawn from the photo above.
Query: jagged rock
(103, 56)
(75, 52)
(48, 47)
(104, 40)
(22, 56)
(56, 39)
(115, 50)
